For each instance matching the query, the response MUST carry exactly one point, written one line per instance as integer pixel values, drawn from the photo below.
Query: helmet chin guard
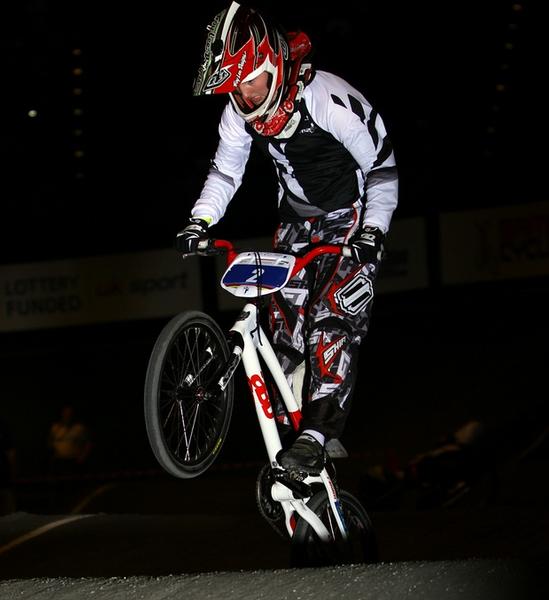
(285, 120)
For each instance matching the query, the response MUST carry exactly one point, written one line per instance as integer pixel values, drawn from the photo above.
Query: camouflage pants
(320, 318)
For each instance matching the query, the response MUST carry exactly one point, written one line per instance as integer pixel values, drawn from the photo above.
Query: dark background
(458, 86)
(117, 153)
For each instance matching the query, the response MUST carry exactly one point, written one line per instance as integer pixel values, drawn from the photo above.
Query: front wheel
(186, 415)
(359, 547)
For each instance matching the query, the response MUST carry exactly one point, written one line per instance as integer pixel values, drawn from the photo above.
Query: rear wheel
(359, 547)
(186, 415)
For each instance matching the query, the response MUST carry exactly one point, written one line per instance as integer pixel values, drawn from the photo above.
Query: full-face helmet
(240, 46)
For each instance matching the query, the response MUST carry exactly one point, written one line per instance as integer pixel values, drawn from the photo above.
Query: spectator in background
(70, 443)
(7, 469)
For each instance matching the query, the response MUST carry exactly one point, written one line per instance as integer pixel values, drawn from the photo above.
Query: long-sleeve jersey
(339, 154)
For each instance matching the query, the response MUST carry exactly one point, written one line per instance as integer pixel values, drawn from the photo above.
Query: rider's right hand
(187, 239)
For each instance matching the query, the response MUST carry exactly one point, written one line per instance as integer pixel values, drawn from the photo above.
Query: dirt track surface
(164, 538)
(471, 580)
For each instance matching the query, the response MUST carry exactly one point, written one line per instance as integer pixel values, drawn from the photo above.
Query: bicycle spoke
(183, 424)
(191, 346)
(191, 425)
(170, 411)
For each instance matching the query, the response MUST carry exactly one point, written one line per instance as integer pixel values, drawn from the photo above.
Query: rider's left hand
(367, 246)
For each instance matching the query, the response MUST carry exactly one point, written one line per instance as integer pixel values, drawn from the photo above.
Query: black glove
(367, 247)
(187, 240)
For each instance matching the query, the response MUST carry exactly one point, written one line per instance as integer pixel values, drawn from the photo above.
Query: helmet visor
(209, 72)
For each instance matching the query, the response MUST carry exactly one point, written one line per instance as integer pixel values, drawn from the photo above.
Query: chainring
(269, 509)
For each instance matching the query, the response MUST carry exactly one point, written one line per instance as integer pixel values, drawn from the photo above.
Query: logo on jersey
(353, 296)
(309, 126)
(327, 353)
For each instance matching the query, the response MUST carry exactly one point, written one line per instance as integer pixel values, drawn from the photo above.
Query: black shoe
(305, 455)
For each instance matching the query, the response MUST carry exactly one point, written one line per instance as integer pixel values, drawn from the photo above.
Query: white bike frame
(255, 340)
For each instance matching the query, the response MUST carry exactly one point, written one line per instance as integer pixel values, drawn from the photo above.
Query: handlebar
(214, 246)
(302, 261)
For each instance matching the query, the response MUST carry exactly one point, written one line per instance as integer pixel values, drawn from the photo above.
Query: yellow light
(32, 113)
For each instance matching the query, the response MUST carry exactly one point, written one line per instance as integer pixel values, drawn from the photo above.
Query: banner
(494, 244)
(405, 265)
(121, 287)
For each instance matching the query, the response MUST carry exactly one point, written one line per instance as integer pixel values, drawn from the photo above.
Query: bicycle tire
(360, 547)
(186, 426)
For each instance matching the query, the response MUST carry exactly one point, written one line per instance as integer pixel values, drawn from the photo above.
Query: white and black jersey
(339, 155)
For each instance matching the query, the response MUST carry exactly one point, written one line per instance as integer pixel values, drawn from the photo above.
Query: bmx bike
(188, 402)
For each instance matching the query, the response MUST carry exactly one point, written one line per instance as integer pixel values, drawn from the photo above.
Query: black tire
(360, 547)
(186, 425)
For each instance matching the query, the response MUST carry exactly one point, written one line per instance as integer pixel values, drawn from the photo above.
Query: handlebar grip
(203, 248)
(215, 247)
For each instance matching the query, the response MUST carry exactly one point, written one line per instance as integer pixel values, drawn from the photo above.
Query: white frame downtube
(249, 329)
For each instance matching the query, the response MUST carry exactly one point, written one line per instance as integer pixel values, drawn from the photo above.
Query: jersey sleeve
(346, 114)
(227, 168)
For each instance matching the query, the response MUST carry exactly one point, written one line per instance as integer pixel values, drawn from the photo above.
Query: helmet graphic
(240, 46)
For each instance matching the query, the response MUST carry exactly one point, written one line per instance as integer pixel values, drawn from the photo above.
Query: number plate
(257, 273)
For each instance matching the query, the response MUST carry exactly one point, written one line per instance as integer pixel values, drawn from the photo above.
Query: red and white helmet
(241, 45)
